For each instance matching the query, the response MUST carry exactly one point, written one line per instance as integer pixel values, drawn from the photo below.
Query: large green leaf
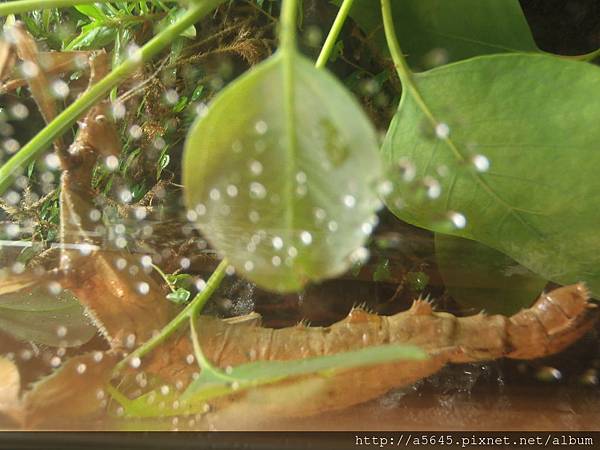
(37, 315)
(481, 278)
(210, 384)
(440, 31)
(282, 173)
(533, 119)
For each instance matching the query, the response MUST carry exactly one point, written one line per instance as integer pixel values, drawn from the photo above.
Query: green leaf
(533, 119)
(39, 316)
(93, 35)
(91, 11)
(434, 32)
(283, 172)
(481, 278)
(179, 296)
(208, 386)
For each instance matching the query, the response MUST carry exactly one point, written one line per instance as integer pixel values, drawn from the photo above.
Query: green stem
(334, 32)
(190, 311)
(21, 6)
(63, 121)
(402, 68)
(287, 32)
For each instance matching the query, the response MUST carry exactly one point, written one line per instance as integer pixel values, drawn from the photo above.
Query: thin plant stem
(190, 311)
(22, 6)
(334, 32)
(64, 120)
(402, 68)
(287, 32)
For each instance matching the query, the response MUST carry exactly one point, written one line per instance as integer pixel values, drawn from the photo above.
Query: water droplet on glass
(135, 362)
(276, 261)
(29, 69)
(112, 163)
(81, 368)
(306, 238)
(433, 187)
(248, 266)
(61, 331)
(232, 191)
(548, 374)
(349, 201)
(457, 219)
(171, 96)
(256, 167)
(481, 163)
(277, 243)
(135, 131)
(52, 161)
(55, 361)
(407, 170)
(11, 146)
(118, 110)
(257, 190)
(442, 130)
(60, 89)
(261, 127)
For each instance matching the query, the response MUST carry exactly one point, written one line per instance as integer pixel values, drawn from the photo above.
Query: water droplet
(81, 368)
(164, 389)
(256, 167)
(11, 146)
(366, 228)
(61, 331)
(130, 341)
(60, 89)
(52, 161)
(232, 191)
(277, 243)
(254, 216)
(171, 96)
(121, 263)
(200, 284)
(261, 127)
(433, 187)
(19, 111)
(134, 53)
(248, 266)
(190, 359)
(55, 361)
(257, 190)
(29, 69)
(359, 256)
(276, 261)
(54, 287)
(126, 196)
(332, 226)
(548, 374)
(407, 170)
(135, 362)
(481, 163)
(112, 163)
(442, 130)
(349, 201)
(301, 177)
(230, 270)
(135, 131)
(306, 238)
(292, 252)
(457, 219)
(98, 356)
(118, 110)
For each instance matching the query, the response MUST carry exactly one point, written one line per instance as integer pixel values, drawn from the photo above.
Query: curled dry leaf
(10, 389)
